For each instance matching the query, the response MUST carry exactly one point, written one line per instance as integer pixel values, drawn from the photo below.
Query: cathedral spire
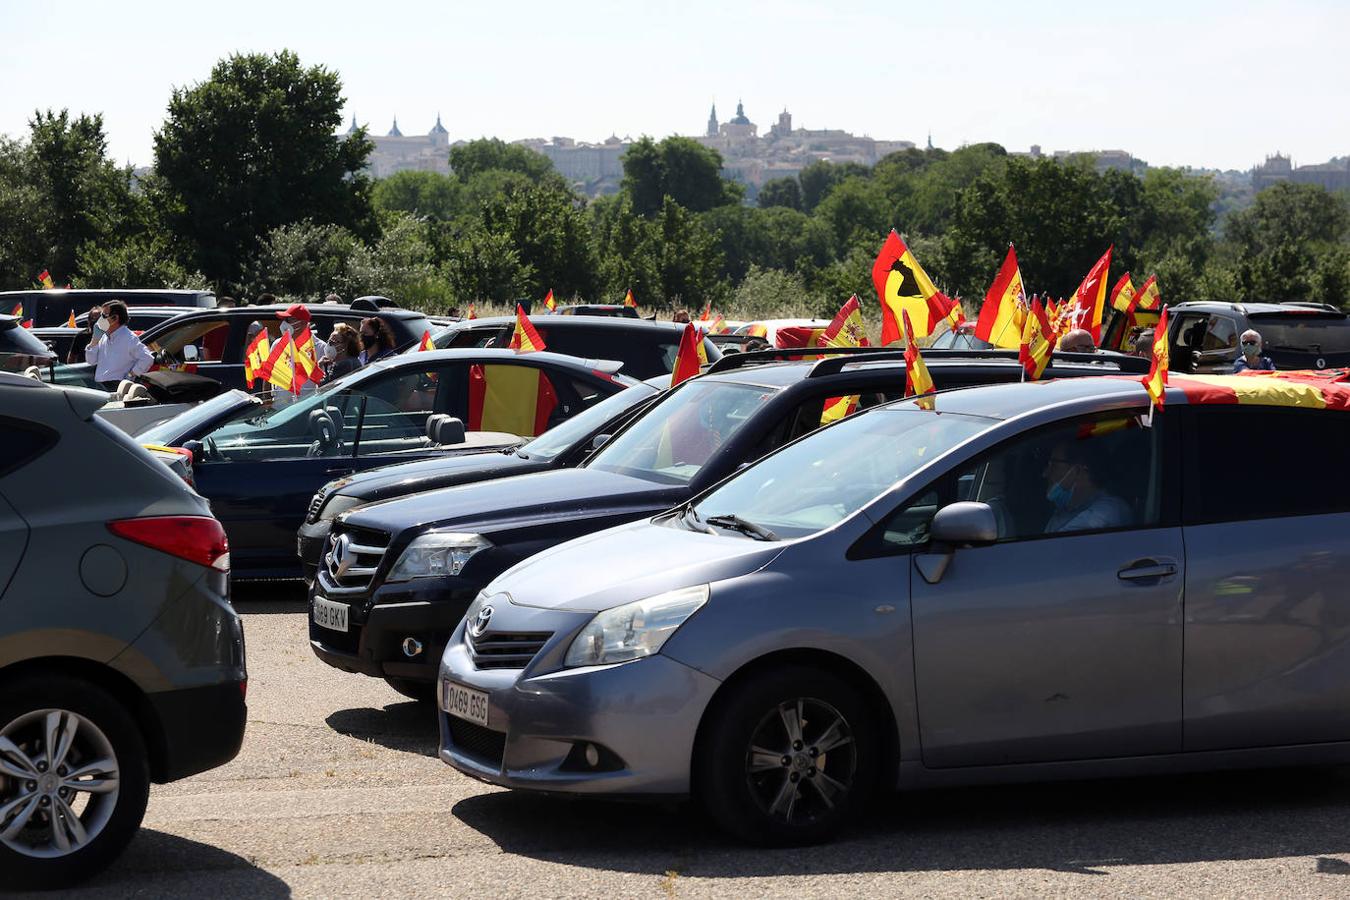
(712, 122)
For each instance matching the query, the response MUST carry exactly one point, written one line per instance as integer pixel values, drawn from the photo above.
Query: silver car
(1026, 582)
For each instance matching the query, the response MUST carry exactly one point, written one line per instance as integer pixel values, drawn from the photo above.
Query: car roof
(605, 367)
(617, 323)
(1252, 308)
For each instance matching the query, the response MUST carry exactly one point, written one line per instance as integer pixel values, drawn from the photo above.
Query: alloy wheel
(59, 783)
(802, 761)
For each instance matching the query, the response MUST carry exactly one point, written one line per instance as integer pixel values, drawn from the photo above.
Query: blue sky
(1203, 83)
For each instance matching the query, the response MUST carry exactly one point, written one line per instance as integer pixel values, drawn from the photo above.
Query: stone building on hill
(1334, 175)
(397, 152)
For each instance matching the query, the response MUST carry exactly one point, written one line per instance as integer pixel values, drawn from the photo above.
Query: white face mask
(102, 324)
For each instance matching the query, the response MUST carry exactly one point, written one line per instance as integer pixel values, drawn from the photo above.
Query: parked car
(996, 589)
(212, 342)
(69, 343)
(398, 575)
(261, 462)
(1203, 337)
(19, 350)
(646, 349)
(561, 447)
(121, 659)
(53, 307)
(613, 310)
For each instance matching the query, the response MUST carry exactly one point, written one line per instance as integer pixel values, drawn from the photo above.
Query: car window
(564, 436)
(1310, 331)
(1231, 483)
(320, 424)
(391, 412)
(516, 399)
(207, 336)
(1190, 332)
(23, 443)
(672, 442)
(488, 336)
(1220, 334)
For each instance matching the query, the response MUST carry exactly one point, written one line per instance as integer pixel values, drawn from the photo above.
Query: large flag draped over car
(846, 329)
(1038, 342)
(525, 339)
(917, 379)
(255, 357)
(1155, 382)
(690, 356)
(1005, 306)
(514, 399)
(903, 286)
(1087, 302)
(1308, 389)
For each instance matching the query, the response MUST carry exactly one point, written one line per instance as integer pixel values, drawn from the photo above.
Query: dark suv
(399, 575)
(1204, 336)
(53, 307)
(121, 658)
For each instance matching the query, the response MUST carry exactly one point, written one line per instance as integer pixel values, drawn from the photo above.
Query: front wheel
(74, 780)
(787, 757)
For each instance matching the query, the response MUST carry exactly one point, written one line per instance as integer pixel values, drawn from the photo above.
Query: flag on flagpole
(17, 310)
(70, 322)
(1122, 295)
(628, 300)
(525, 339)
(1038, 342)
(1148, 297)
(707, 311)
(306, 362)
(903, 286)
(45, 279)
(426, 343)
(255, 357)
(279, 368)
(917, 379)
(689, 356)
(847, 329)
(1005, 306)
(549, 302)
(1088, 300)
(473, 311)
(1155, 382)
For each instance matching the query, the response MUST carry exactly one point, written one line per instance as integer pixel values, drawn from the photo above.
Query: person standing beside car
(113, 350)
(1251, 359)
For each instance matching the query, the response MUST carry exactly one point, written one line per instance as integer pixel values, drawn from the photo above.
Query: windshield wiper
(691, 519)
(736, 523)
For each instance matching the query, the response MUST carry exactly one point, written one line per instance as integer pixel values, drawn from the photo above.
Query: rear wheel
(421, 691)
(788, 757)
(74, 780)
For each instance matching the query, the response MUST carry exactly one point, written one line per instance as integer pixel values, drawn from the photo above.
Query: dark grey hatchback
(121, 658)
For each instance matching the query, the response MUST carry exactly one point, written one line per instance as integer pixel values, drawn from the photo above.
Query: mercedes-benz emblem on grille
(480, 622)
(341, 555)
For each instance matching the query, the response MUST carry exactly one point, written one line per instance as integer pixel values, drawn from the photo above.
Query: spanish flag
(1148, 298)
(719, 325)
(525, 339)
(549, 301)
(1088, 300)
(1122, 295)
(707, 311)
(255, 357)
(917, 379)
(45, 278)
(1005, 306)
(837, 407)
(279, 368)
(628, 300)
(515, 399)
(70, 322)
(306, 362)
(759, 330)
(690, 356)
(1155, 382)
(847, 329)
(473, 312)
(1307, 389)
(17, 310)
(426, 343)
(903, 286)
(1038, 342)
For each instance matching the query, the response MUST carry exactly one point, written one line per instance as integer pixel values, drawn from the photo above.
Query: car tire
(794, 788)
(93, 727)
(421, 691)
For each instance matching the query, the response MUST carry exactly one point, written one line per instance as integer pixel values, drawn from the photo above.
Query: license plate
(465, 703)
(328, 614)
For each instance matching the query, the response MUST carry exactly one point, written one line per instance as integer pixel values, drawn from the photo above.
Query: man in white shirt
(113, 350)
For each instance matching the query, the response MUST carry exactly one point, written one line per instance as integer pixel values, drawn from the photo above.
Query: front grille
(482, 744)
(351, 558)
(506, 649)
(315, 506)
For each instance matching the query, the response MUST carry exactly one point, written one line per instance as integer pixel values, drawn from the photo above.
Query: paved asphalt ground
(337, 793)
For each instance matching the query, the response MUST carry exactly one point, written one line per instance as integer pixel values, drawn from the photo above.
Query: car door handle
(338, 470)
(1148, 568)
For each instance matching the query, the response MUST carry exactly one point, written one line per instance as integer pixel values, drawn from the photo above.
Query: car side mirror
(197, 449)
(189, 353)
(965, 523)
(599, 441)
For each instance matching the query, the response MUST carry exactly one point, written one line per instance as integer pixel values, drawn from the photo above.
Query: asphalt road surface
(337, 793)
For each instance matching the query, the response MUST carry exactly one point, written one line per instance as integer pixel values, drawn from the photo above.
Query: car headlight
(636, 629)
(437, 554)
(336, 505)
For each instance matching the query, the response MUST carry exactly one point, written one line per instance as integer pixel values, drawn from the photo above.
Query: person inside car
(1251, 359)
(377, 341)
(345, 342)
(115, 352)
(1079, 340)
(1071, 487)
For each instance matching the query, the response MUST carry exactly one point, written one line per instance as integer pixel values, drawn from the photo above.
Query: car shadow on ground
(1067, 827)
(165, 865)
(408, 726)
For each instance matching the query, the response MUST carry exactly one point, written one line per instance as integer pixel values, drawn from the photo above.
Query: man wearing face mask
(113, 351)
(1080, 505)
(1251, 359)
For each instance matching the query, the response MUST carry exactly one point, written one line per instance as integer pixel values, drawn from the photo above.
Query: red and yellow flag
(903, 286)
(846, 329)
(549, 301)
(426, 343)
(1155, 382)
(718, 326)
(306, 363)
(707, 311)
(255, 357)
(70, 321)
(917, 379)
(1148, 298)
(758, 329)
(1088, 301)
(628, 300)
(1307, 389)
(17, 310)
(1037, 342)
(279, 367)
(1005, 306)
(1122, 295)
(525, 339)
(514, 399)
(473, 311)
(45, 279)
(690, 356)
(837, 407)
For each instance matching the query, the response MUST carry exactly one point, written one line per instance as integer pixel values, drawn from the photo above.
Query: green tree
(549, 230)
(486, 154)
(773, 238)
(252, 148)
(485, 267)
(304, 260)
(668, 260)
(821, 177)
(780, 192)
(1289, 244)
(427, 194)
(679, 168)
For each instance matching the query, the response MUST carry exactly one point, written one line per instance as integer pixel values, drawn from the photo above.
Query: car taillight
(198, 539)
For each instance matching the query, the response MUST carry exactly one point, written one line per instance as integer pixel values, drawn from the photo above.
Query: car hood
(508, 503)
(430, 474)
(627, 563)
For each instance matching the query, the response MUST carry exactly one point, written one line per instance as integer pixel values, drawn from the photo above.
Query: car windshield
(671, 443)
(191, 420)
(818, 481)
(1312, 331)
(562, 437)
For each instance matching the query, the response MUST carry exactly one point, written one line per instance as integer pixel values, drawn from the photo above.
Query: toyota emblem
(480, 622)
